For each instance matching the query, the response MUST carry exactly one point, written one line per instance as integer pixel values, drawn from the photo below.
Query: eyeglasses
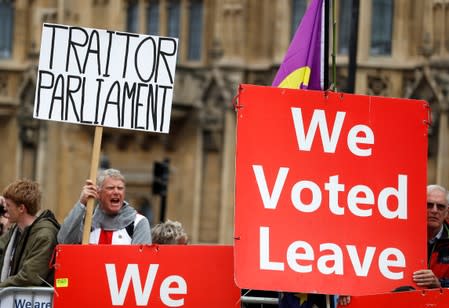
(440, 207)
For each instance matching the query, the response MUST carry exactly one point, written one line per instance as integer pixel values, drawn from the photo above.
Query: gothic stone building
(403, 51)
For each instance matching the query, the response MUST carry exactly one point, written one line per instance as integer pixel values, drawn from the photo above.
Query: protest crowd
(115, 221)
(133, 88)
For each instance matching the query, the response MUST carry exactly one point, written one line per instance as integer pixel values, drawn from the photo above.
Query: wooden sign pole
(93, 177)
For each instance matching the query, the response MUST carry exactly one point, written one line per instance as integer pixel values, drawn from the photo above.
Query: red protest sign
(150, 276)
(330, 191)
(436, 298)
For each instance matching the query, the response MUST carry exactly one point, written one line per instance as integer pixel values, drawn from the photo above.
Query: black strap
(130, 229)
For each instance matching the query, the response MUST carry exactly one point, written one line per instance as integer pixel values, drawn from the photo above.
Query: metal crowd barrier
(36, 297)
(259, 300)
(41, 297)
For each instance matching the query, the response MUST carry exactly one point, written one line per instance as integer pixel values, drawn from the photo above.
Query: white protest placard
(105, 78)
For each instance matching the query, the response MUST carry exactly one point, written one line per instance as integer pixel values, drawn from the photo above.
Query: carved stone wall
(244, 42)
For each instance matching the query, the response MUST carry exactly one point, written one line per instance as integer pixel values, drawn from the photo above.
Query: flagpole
(326, 73)
(326, 44)
(334, 48)
(353, 39)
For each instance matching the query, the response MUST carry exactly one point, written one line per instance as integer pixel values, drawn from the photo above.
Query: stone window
(344, 26)
(183, 19)
(381, 27)
(170, 18)
(298, 8)
(174, 16)
(195, 29)
(132, 17)
(153, 19)
(6, 28)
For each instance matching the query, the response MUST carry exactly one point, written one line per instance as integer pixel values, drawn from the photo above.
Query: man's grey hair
(433, 187)
(169, 232)
(109, 173)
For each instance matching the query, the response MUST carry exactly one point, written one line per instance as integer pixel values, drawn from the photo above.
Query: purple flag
(302, 65)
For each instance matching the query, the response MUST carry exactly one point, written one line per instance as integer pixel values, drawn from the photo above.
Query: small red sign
(330, 191)
(436, 298)
(149, 276)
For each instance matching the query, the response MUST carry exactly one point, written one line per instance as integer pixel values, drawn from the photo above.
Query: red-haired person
(26, 249)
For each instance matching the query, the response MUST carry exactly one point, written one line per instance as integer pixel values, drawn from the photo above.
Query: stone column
(226, 230)
(442, 172)
(443, 147)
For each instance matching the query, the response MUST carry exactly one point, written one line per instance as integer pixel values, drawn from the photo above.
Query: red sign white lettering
(144, 276)
(330, 191)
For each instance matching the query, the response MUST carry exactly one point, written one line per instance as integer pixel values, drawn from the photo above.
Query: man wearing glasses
(437, 274)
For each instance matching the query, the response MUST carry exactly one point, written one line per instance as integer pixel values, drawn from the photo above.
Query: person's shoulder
(141, 220)
(445, 235)
(46, 220)
(140, 216)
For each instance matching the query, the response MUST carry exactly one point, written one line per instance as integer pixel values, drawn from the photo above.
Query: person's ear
(22, 208)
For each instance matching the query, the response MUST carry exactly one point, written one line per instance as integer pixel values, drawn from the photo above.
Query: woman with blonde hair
(169, 232)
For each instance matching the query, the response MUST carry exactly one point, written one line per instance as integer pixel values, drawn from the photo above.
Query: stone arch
(428, 85)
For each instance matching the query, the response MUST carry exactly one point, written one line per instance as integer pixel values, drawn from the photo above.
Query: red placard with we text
(330, 191)
(144, 276)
